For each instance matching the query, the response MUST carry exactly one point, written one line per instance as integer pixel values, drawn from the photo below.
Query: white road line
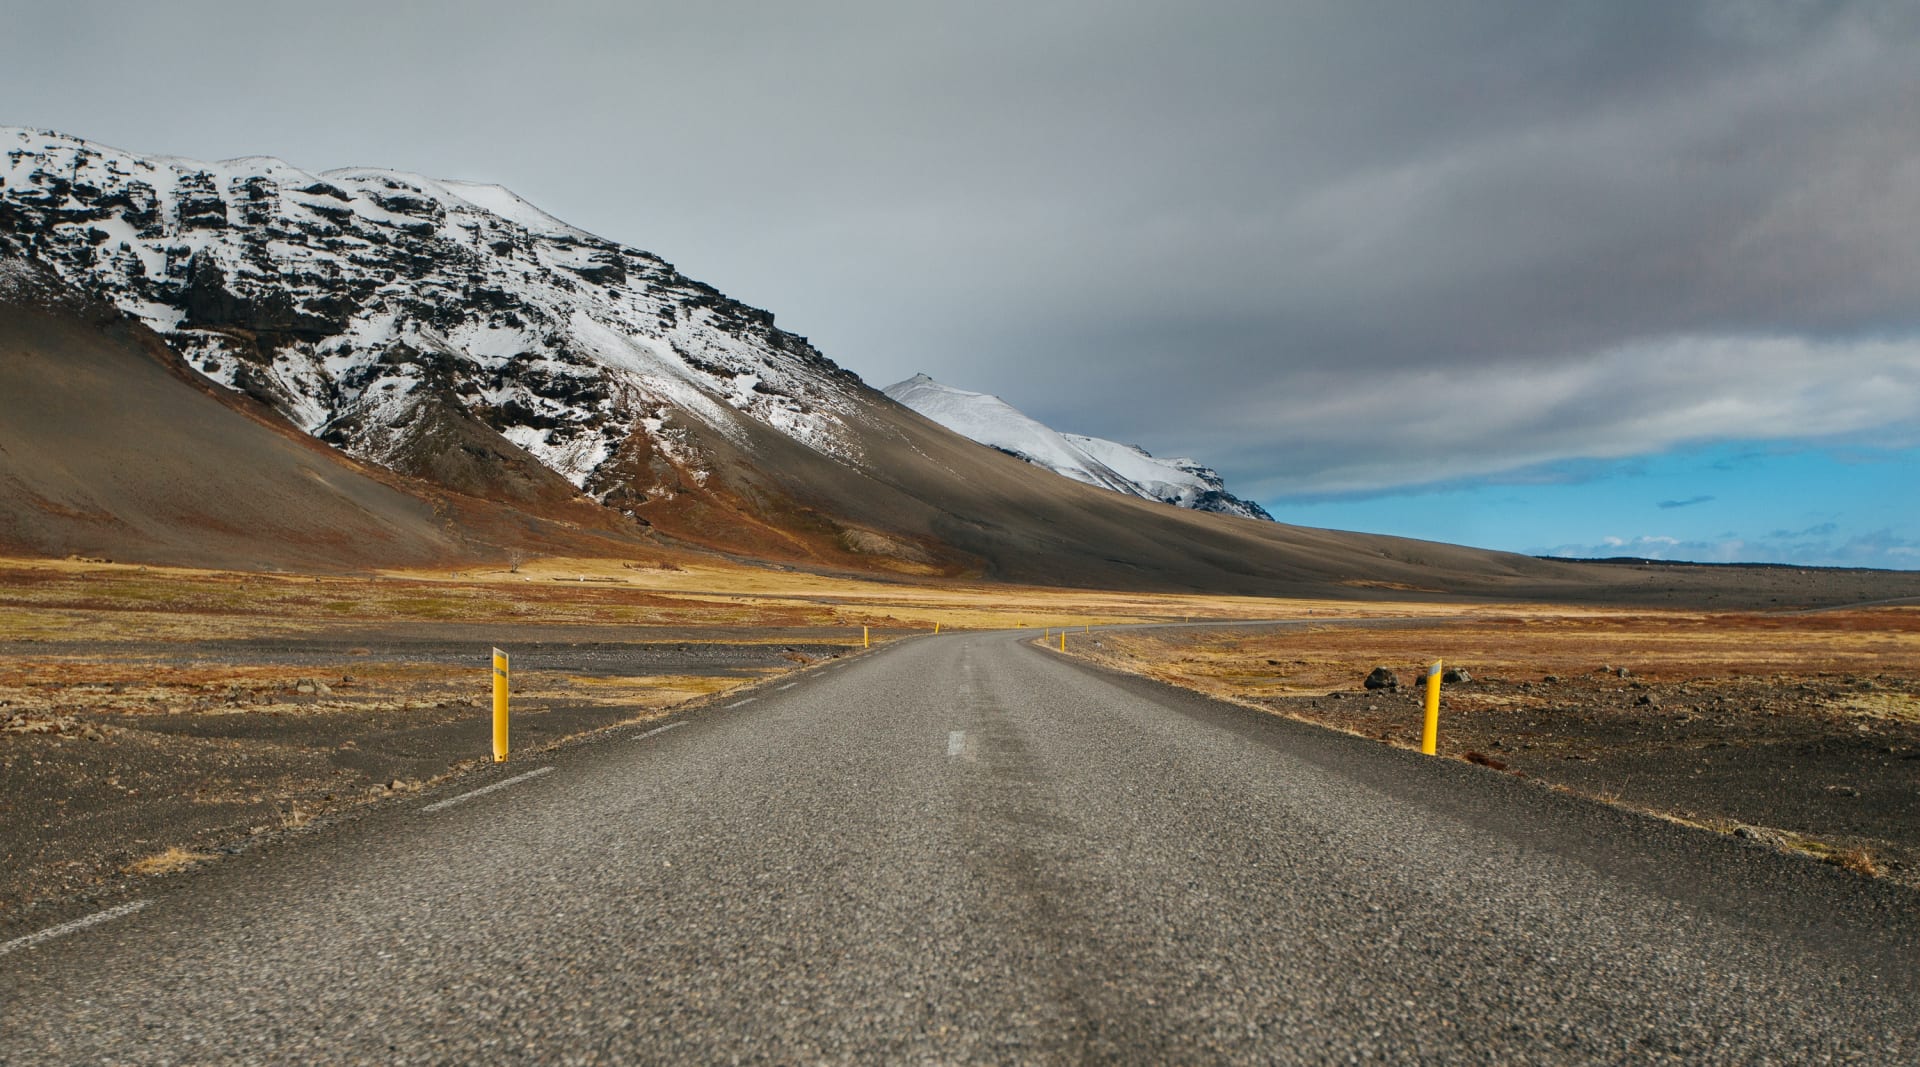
(52, 932)
(789, 685)
(485, 789)
(739, 704)
(956, 742)
(659, 730)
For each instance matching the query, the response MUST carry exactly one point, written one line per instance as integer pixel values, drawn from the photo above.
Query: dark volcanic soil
(115, 757)
(1769, 755)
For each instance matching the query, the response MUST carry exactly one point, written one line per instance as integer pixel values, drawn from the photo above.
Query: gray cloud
(1326, 247)
(1668, 505)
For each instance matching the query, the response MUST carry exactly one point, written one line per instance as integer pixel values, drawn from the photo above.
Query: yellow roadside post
(499, 706)
(866, 637)
(1430, 735)
(1063, 639)
(936, 626)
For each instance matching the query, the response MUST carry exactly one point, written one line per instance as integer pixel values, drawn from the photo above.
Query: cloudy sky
(1607, 278)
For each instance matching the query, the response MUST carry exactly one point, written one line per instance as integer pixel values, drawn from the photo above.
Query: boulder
(1382, 678)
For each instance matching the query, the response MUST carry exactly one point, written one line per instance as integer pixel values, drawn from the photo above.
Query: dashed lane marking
(789, 685)
(52, 932)
(659, 730)
(956, 742)
(739, 704)
(485, 789)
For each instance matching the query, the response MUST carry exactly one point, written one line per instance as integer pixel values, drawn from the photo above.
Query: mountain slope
(109, 446)
(1090, 460)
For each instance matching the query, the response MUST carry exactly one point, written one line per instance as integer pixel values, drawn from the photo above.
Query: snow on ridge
(509, 205)
(1095, 461)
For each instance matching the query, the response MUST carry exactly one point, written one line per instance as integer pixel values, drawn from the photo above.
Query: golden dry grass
(1531, 643)
(173, 859)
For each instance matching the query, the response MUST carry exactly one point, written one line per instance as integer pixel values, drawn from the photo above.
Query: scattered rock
(1760, 835)
(1382, 678)
(1551, 679)
(1646, 701)
(1456, 675)
(1485, 760)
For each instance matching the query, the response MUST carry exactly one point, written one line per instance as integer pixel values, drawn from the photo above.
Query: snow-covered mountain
(402, 318)
(1107, 464)
(460, 337)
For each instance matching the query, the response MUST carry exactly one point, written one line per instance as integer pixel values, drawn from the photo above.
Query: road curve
(966, 849)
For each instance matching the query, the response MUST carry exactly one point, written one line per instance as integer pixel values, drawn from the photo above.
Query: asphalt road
(964, 849)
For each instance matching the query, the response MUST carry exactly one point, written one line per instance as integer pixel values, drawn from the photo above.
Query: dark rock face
(395, 316)
(1222, 502)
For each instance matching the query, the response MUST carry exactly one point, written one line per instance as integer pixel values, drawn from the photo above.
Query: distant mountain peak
(1095, 461)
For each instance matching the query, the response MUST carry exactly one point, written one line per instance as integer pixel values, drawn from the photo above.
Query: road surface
(965, 849)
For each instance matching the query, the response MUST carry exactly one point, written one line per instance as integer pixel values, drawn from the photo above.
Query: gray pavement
(964, 849)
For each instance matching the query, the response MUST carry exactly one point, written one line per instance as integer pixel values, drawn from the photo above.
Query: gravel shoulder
(1801, 733)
